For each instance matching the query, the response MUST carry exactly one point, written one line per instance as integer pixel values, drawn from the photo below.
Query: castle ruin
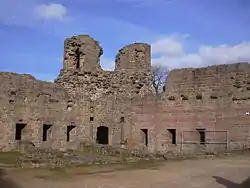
(205, 107)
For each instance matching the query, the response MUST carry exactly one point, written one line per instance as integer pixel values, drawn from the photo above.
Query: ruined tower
(134, 58)
(82, 53)
(82, 73)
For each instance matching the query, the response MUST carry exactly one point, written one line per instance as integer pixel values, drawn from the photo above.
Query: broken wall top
(134, 58)
(82, 74)
(219, 81)
(82, 53)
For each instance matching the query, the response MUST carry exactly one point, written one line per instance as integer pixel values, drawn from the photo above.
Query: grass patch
(69, 173)
(9, 158)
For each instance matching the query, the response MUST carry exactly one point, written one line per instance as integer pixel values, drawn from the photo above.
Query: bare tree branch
(159, 76)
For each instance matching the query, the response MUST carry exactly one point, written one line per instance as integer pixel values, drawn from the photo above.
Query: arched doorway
(102, 135)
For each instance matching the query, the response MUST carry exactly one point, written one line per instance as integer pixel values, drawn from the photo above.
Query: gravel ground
(228, 172)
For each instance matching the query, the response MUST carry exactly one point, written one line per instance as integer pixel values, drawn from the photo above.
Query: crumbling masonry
(205, 107)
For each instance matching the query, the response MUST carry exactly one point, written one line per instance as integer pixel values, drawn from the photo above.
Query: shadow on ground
(6, 183)
(230, 184)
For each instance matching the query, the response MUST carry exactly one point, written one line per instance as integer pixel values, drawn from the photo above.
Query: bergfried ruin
(204, 108)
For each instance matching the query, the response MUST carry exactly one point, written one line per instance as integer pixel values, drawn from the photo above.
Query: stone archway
(102, 135)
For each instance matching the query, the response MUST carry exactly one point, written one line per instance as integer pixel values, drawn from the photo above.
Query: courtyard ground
(225, 172)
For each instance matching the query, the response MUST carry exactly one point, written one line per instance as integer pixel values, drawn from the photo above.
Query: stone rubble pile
(128, 153)
(54, 158)
(96, 154)
(89, 154)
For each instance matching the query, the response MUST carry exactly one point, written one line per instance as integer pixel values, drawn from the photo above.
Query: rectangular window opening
(145, 135)
(91, 119)
(173, 135)
(202, 134)
(69, 129)
(46, 131)
(19, 130)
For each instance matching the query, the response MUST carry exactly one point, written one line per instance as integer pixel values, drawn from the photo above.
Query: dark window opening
(69, 107)
(102, 135)
(11, 101)
(122, 119)
(145, 132)
(171, 98)
(163, 88)
(202, 134)
(173, 135)
(199, 97)
(184, 98)
(46, 129)
(13, 93)
(194, 75)
(91, 119)
(213, 97)
(19, 129)
(77, 59)
(69, 129)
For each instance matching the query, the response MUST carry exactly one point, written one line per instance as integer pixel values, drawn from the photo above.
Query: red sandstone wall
(225, 92)
(26, 100)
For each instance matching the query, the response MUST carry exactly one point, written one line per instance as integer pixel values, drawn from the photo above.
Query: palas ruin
(204, 108)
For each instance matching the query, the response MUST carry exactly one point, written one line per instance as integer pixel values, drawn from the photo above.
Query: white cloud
(170, 52)
(31, 14)
(51, 11)
(170, 45)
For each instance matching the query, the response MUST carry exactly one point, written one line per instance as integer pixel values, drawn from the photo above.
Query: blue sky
(183, 33)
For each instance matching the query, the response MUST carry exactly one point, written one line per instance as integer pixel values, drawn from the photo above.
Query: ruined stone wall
(211, 98)
(134, 58)
(106, 94)
(82, 53)
(87, 79)
(25, 100)
(84, 98)
(98, 85)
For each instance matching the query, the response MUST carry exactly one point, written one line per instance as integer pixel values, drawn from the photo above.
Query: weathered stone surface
(133, 58)
(82, 53)
(84, 99)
